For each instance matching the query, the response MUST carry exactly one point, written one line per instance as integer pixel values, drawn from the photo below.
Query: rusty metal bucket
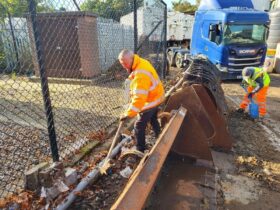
(221, 137)
(145, 175)
(204, 127)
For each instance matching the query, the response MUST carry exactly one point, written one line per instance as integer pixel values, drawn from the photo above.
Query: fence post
(14, 40)
(164, 41)
(44, 82)
(135, 26)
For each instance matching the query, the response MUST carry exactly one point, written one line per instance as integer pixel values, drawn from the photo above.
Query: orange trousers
(260, 98)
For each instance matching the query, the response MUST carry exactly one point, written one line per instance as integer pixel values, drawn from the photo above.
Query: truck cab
(231, 34)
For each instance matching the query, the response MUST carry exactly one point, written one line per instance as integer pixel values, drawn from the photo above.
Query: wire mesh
(151, 33)
(60, 80)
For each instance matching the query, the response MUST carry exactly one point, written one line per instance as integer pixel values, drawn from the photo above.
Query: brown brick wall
(69, 44)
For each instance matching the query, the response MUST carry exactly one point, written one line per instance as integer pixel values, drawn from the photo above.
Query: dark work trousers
(141, 124)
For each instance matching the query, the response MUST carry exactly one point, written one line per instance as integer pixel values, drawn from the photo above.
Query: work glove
(250, 95)
(244, 84)
(123, 118)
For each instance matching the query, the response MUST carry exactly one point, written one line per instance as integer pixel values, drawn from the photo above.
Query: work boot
(240, 110)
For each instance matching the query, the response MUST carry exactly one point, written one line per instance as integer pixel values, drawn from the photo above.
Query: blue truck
(231, 34)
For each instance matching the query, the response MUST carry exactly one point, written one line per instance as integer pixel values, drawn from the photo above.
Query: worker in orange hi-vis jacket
(146, 94)
(257, 80)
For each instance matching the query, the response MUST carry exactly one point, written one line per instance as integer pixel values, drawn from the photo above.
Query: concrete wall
(152, 16)
(112, 38)
(147, 18)
(128, 20)
(179, 24)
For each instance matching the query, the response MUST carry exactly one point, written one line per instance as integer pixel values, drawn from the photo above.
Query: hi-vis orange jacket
(146, 89)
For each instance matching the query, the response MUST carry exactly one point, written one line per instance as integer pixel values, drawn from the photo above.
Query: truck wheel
(179, 60)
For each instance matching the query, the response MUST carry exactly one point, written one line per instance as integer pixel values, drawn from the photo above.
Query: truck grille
(237, 64)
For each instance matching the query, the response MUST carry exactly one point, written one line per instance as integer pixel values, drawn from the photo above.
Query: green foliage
(185, 6)
(14, 7)
(112, 9)
(17, 8)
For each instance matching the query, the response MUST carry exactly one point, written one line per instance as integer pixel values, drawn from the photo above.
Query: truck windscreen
(241, 34)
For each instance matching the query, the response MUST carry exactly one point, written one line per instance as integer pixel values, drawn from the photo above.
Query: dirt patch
(253, 180)
(240, 189)
(183, 185)
(250, 137)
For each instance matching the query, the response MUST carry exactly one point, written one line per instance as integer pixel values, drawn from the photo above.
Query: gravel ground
(253, 181)
(24, 130)
(79, 110)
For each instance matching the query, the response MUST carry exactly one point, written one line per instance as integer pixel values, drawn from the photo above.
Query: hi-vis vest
(259, 72)
(146, 89)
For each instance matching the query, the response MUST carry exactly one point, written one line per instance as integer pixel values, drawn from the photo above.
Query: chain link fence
(60, 80)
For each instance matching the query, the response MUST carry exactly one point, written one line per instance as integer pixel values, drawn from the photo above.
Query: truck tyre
(179, 60)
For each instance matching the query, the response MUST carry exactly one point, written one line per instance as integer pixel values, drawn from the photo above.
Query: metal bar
(165, 40)
(243, 64)
(76, 4)
(44, 82)
(91, 177)
(12, 32)
(14, 38)
(135, 26)
(244, 59)
(138, 188)
(149, 35)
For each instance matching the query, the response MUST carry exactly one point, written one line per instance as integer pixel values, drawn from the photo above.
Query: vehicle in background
(179, 33)
(231, 34)
(176, 52)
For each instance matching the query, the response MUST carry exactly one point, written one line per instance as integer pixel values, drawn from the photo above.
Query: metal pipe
(91, 177)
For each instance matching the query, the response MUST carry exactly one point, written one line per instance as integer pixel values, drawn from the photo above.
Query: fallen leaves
(97, 135)
(70, 137)
(23, 200)
(266, 171)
